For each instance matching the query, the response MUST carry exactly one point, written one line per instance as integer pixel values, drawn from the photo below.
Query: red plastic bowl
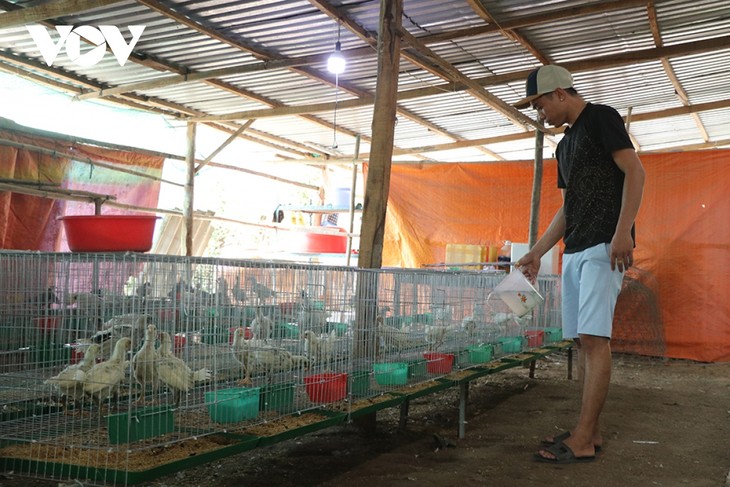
(320, 243)
(109, 233)
(328, 387)
(535, 338)
(439, 363)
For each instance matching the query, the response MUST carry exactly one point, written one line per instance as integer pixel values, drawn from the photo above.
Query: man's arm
(622, 245)
(529, 264)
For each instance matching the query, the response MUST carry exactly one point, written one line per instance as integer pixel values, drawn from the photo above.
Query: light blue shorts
(589, 292)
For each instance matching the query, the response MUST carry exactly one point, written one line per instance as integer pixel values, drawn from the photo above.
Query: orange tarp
(675, 299)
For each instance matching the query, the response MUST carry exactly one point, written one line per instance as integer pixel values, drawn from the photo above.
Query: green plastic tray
(140, 424)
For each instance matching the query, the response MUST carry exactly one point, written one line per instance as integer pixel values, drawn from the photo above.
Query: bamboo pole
(225, 144)
(352, 200)
(189, 190)
(42, 191)
(267, 176)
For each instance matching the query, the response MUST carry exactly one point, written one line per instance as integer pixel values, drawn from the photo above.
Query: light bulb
(336, 62)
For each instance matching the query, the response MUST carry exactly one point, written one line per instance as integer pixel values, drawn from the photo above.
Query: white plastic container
(518, 293)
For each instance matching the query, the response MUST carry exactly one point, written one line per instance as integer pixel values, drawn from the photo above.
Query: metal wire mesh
(108, 359)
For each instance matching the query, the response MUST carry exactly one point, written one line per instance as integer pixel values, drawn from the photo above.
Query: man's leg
(595, 355)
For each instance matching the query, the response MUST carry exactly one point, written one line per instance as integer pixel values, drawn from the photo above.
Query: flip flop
(563, 454)
(561, 438)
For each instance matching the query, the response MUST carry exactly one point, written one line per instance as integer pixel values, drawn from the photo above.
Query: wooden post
(189, 190)
(536, 189)
(381, 152)
(376, 190)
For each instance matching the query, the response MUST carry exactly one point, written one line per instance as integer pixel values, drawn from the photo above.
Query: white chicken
(174, 372)
(262, 326)
(144, 364)
(310, 318)
(470, 325)
(508, 324)
(244, 352)
(256, 357)
(321, 349)
(69, 383)
(393, 338)
(103, 379)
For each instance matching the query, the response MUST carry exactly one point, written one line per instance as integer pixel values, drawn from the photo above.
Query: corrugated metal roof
(611, 47)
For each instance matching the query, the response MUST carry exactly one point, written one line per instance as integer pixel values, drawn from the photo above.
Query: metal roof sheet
(607, 44)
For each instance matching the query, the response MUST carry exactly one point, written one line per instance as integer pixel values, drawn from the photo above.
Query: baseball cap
(544, 80)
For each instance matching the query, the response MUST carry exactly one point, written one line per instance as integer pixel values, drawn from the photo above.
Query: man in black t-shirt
(602, 181)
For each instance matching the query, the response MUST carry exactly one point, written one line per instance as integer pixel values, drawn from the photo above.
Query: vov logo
(71, 37)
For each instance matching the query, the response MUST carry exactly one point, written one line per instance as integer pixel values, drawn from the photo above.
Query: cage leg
(463, 397)
(532, 369)
(404, 414)
(570, 363)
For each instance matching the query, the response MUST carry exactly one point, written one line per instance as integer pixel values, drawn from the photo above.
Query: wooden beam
(196, 76)
(375, 202)
(50, 10)
(143, 102)
(271, 58)
(512, 34)
(282, 63)
(716, 144)
(511, 113)
(339, 16)
(669, 70)
(669, 112)
(139, 102)
(683, 110)
(602, 62)
(194, 24)
(225, 144)
(537, 19)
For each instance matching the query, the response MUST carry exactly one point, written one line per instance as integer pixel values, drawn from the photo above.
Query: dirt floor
(666, 423)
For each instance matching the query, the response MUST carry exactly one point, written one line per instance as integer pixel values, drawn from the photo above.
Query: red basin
(109, 233)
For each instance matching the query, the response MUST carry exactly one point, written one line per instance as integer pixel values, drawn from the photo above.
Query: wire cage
(113, 364)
